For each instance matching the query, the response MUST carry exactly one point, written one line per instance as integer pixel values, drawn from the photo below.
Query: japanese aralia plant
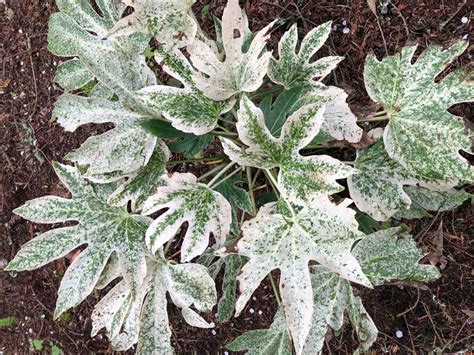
(266, 197)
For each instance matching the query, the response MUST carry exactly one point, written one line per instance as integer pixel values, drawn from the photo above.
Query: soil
(437, 317)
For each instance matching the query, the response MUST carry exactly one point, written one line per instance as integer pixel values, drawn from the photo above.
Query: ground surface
(435, 318)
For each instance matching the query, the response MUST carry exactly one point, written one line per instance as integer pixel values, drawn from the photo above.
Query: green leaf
(378, 186)
(169, 21)
(143, 318)
(7, 322)
(392, 254)
(188, 109)
(113, 154)
(240, 71)
(204, 210)
(238, 198)
(421, 134)
(294, 69)
(104, 228)
(78, 31)
(273, 341)
(438, 201)
(190, 145)
(144, 182)
(339, 121)
(161, 129)
(38, 344)
(324, 233)
(302, 179)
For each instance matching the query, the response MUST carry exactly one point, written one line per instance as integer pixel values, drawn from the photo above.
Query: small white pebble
(213, 332)
(42, 316)
(464, 20)
(346, 30)
(30, 331)
(254, 298)
(465, 37)
(260, 312)
(225, 353)
(251, 311)
(20, 31)
(399, 334)
(26, 318)
(344, 23)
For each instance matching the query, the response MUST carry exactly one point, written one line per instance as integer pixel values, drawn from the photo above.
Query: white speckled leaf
(421, 134)
(296, 69)
(113, 154)
(301, 178)
(169, 21)
(72, 75)
(143, 318)
(104, 228)
(377, 187)
(324, 233)
(142, 184)
(332, 296)
(188, 109)
(240, 71)
(204, 210)
(438, 201)
(273, 341)
(339, 121)
(392, 254)
(78, 31)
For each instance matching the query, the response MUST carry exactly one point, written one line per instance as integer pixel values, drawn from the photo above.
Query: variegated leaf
(339, 121)
(238, 198)
(104, 228)
(72, 75)
(333, 295)
(204, 210)
(78, 31)
(391, 254)
(142, 184)
(377, 187)
(301, 178)
(240, 71)
(421, 134)
(111, 155)
(324, 233)
(294, 69)
(169, 21)
(273, 341)
(232, 266)
(188, 109)
(438, 201)
(143, 318)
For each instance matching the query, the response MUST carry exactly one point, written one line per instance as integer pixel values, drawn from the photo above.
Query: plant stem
(251, 183)
(275, 289)
(217, 159)
(211, 172)
(167, 246)
(227, 177)
(224, 134)
(275, 185)
(379, 116)
(222, 172)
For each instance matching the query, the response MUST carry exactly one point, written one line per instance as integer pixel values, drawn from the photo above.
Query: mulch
(437, 317)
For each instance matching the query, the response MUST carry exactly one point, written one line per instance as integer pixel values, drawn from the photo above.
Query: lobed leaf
(324, 233)
(188, 109)
(240, 71)
(204, 210)
(143, 318)
(169, 21)
(296, 69)
(391, 254)
(104, 228)
(378, 186)
(421, 134)
(301, 178)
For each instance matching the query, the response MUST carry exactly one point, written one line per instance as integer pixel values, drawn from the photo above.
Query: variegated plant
(181, 175)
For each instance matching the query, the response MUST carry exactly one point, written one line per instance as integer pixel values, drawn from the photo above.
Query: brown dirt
(438, 318)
